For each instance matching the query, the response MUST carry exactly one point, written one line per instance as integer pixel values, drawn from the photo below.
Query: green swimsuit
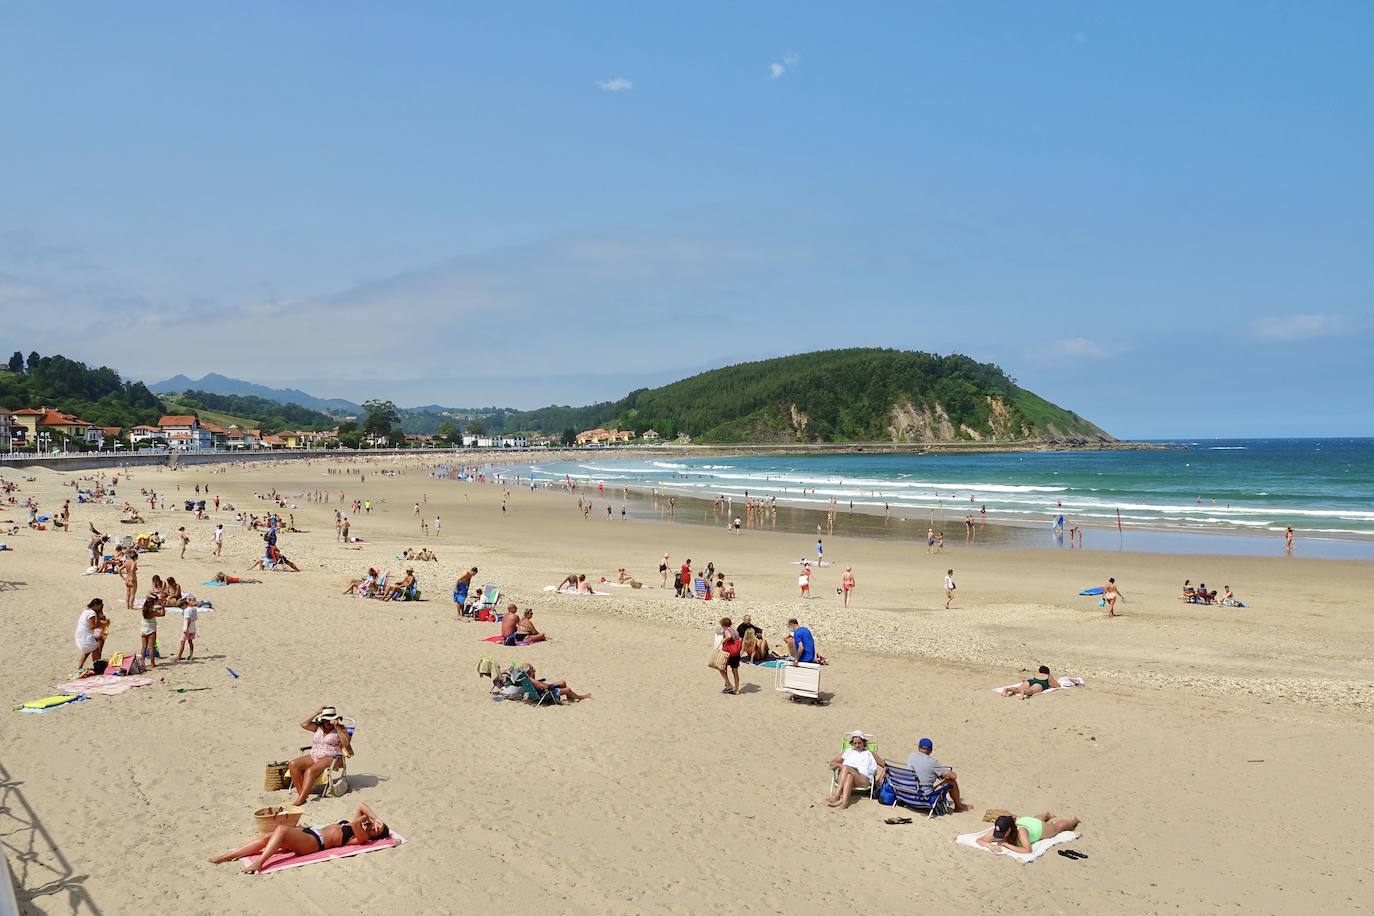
(1035, 828)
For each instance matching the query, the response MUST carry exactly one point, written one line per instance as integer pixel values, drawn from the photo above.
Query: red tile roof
(177, 420)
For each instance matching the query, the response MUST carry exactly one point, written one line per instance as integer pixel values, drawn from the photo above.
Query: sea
(1225, 496)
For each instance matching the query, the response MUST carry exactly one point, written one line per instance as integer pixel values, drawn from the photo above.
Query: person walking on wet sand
(949, 588)
(1109, 594)
(847, 584)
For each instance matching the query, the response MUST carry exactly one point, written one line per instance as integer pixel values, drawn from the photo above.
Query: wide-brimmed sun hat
(328, 714)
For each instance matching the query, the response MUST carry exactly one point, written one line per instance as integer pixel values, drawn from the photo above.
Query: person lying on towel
(365, 827)
(1019, 834)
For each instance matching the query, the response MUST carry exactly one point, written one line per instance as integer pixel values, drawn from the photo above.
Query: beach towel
(554, 588)
(287, 860)
(1025, 858)
(497, 639)
(105, 684)
(771, 663)
(47, 704)
(1064, 684)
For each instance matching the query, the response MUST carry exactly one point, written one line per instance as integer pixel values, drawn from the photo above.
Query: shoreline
(1004, 534)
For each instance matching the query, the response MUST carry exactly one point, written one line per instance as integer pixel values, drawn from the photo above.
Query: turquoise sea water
(1324, 489)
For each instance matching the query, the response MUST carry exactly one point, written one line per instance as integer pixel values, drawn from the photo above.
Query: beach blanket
(554, 588)
(287, 860)
(771, 663)
(1025, 858)
(1064, 684)
(48, 704)
(497, 639)
(105, 684)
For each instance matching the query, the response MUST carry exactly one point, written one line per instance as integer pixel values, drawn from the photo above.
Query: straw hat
(328, 714)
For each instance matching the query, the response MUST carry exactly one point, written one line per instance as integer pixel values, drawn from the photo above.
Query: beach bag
(718, 659)
(887, 795)
(275, 778)
(485, 667)
(1101, 602)
(337, 785)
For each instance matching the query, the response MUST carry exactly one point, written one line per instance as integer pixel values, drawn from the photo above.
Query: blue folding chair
(911, 794)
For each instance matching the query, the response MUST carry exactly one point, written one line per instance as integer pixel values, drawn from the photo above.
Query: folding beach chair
(700, 590)
(911, 794)
(534, 694)
(333, 781)
(490, 596)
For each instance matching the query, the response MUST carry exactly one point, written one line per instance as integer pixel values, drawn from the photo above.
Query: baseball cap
(925, 743)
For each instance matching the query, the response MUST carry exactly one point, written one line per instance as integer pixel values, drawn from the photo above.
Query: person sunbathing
(526, 630)
(1229, 599)
(1031, 686)
(561, 686)
(755, 646)
(859, 767)
(569, 582)
(1019, 834)
(365, 827)
(583, 586)
(406, 583)
(622, 576)
(362, 586)
(330, 742)
(225, 579)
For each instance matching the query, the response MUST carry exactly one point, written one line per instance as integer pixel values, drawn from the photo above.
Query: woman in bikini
(365, 827)
(330, 742)
(1020, 834)
(1031, 686)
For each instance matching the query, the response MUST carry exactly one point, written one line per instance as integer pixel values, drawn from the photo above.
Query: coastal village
(46, 429)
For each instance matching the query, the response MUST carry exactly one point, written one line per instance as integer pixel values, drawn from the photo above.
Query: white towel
(1025, 858)
(1064, 684)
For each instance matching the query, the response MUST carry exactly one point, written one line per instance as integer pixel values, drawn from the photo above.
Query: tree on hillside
(569, 436)
(477, 428)
(381, 417)
(33, 360)
(448, 431)
(17, 362)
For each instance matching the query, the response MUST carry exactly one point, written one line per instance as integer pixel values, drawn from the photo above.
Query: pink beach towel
(287, 860)
(106, 684)
(497, 639)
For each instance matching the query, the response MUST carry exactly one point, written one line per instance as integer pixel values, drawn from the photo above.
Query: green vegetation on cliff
(855, 395)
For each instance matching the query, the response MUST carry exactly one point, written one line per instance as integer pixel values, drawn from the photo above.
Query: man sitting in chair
(330, 743)
(931, 774)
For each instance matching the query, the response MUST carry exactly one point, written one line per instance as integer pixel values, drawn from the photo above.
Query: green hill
(856, 395)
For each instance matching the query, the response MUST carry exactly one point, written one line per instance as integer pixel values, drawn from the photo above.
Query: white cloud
(1283, 328)
(777, 68)
(615, 84)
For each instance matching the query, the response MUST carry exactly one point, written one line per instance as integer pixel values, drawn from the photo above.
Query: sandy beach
(1217, 755)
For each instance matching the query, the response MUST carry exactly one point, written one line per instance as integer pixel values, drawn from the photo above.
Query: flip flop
(897, 820)
(1072, 854)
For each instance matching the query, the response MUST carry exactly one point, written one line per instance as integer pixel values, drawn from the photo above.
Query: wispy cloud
(1073, 348)
(615, 84)
(1284, 328)
(778, 67)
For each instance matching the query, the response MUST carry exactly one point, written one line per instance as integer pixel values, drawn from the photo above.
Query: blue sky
(1158, 216)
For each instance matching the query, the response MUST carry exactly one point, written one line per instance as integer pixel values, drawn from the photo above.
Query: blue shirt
(805, 643)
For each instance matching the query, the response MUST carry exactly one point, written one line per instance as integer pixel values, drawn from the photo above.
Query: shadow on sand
(38, 867)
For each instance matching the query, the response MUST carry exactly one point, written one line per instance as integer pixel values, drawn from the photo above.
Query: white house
(184, 433)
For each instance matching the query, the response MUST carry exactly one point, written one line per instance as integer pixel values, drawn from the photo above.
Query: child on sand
(189, 615)
(152, 610)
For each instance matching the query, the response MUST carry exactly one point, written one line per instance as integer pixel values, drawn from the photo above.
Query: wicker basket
(270, 819)
(276, 777)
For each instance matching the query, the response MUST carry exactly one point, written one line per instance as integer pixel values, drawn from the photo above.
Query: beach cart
(802, 679)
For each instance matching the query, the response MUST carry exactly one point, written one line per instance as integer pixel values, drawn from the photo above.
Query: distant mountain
(219, 384)
(855, 395)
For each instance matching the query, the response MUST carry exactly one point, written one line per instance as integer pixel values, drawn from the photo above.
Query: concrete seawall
(89, 461)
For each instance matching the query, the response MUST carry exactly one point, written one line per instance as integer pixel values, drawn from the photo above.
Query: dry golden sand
(1218, 757)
